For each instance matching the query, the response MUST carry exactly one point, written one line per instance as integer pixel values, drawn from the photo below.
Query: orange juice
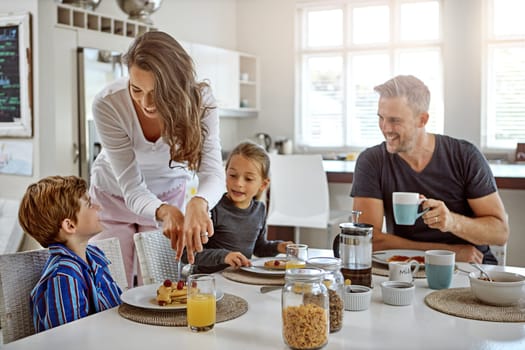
(201, 311)
(295, 264)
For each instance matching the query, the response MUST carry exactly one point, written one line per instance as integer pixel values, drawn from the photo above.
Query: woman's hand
(172, 223)
(237, 259)
(197, 228)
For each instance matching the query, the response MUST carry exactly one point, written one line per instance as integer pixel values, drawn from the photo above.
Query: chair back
(298, 191)
(111, 248)
(11, 233)
(19, 273)
(156, 257)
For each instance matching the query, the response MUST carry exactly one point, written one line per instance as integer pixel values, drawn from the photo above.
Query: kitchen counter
(508, 176)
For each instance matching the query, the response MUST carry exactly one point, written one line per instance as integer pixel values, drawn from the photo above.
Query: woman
(157, 126)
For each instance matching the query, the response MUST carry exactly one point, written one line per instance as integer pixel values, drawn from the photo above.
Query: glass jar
(334, 282)
(305, 309)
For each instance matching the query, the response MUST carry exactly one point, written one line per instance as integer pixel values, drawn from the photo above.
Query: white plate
(145, 297)
(258, 267)
(382, 256)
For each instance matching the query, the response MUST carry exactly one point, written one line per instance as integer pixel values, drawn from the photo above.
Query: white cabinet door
(227, 86)
(220, 67)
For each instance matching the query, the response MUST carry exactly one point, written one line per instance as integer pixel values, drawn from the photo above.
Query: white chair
(156, 257)
(111, 248)
(19, 273)
(299, 195)
(11, 234)
(500, 252)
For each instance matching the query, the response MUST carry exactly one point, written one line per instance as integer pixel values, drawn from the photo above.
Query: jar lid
(327, 263)
(356, 229)
(304, 274)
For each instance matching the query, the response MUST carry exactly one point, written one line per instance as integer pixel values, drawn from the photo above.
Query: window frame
(392, 47)
(490, 41)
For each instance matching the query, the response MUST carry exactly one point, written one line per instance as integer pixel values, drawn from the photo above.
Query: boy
(75, 282)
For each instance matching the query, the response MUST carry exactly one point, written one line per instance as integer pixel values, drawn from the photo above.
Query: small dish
(357, 298)
(397, 293)
(506, 288)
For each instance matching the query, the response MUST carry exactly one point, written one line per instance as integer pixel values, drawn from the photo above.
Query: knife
(179, 267)
(266, 289)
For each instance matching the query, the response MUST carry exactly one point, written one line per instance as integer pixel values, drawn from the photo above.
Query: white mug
(402, 271)
(405, 206)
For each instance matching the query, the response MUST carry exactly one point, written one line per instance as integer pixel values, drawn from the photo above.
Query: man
(465, 213)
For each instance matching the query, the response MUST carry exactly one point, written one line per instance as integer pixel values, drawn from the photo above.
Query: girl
(239, 219)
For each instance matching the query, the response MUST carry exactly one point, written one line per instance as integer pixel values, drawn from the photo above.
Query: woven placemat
(382, 270)
(228, 308)
(252, 278)
(461, 302)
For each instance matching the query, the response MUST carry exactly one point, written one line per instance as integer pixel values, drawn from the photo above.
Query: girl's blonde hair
(177, 94)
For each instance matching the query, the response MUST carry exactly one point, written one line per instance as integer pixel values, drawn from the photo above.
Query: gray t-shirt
(457, 171)
(236, 229)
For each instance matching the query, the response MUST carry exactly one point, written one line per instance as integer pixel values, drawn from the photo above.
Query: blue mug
(439, 268)
(406, 205)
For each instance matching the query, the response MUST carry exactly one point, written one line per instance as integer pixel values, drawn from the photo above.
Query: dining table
(381, 326)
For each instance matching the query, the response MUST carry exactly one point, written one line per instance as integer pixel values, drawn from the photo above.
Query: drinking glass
(201, 306)
(296, 256)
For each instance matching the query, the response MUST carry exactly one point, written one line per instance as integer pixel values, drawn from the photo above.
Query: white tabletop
(380, 327)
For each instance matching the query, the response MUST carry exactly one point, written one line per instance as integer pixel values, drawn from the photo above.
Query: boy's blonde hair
(47, 203)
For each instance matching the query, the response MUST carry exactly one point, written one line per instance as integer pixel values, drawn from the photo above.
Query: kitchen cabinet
(233, 78)
(221, 68)
(248, 82)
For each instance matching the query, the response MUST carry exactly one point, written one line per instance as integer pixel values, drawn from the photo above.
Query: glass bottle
(305, 309)
(334, 282)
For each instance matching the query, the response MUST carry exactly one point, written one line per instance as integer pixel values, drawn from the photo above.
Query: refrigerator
(96, 69)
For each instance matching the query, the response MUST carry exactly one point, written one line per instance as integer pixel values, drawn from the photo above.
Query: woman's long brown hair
(177, 94)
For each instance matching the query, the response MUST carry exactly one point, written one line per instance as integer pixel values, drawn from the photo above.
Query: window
(345, 48)
(505, 74)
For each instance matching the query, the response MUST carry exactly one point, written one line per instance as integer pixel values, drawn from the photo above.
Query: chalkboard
(15, 76)
(9, 75)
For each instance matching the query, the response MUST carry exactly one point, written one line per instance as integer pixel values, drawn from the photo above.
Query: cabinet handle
(76, 152)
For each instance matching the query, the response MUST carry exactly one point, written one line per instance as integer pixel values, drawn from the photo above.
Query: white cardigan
(132, 167)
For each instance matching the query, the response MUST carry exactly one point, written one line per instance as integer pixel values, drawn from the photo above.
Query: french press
(354, 246)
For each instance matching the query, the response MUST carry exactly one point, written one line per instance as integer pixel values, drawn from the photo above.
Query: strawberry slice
(180, 285)
(167, 283)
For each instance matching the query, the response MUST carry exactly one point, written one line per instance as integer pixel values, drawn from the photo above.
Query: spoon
(483, 272)
(186, 271)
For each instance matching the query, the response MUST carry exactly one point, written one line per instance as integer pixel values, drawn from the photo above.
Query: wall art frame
(16, 83)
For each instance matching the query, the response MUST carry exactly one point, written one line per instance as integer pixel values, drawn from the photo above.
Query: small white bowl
(397, 293)
(506, 288)
(356, 297)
